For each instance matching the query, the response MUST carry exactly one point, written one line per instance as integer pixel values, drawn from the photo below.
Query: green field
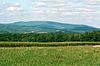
(50, 56)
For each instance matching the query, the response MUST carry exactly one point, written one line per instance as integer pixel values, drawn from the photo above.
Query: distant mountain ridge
(44, 27)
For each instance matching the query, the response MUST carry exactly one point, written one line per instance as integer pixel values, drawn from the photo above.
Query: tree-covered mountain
(44, 27)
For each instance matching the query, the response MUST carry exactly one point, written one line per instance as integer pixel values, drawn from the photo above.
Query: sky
(66, 11)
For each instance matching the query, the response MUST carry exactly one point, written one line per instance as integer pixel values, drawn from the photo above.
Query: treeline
(50, 37)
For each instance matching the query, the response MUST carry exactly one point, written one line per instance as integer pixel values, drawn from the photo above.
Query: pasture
(87, 55)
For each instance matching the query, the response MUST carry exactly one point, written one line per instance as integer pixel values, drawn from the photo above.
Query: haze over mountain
(44, 27)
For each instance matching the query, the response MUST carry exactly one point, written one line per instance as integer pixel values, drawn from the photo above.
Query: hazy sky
(68, 11)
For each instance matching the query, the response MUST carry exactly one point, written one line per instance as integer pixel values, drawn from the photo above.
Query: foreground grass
(45, 44)
(50, 56)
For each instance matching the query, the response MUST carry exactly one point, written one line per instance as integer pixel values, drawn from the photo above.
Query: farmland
(50, 56)
(45, 44)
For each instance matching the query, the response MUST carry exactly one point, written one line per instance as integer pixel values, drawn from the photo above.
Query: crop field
(45, 44)
(88, 55)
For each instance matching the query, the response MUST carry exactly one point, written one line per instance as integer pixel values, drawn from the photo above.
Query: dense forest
(50, 37)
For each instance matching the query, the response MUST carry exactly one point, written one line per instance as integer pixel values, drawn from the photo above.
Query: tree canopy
(50, 37)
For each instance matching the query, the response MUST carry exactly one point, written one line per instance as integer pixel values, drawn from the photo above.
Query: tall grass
(59, 56)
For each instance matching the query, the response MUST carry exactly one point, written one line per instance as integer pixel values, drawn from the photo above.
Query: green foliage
(51, 37)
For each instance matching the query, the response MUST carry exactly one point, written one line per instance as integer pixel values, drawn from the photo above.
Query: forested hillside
(51, 37)
(44, 27)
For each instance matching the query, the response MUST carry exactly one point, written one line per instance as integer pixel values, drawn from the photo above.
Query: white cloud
(71, 11)
(13, 8)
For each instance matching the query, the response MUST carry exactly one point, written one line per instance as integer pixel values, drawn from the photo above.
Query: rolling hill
(44, 27)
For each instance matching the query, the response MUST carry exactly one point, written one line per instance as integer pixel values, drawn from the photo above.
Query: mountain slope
(44, 26)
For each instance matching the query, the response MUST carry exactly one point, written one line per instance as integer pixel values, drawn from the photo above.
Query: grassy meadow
(50, 56)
